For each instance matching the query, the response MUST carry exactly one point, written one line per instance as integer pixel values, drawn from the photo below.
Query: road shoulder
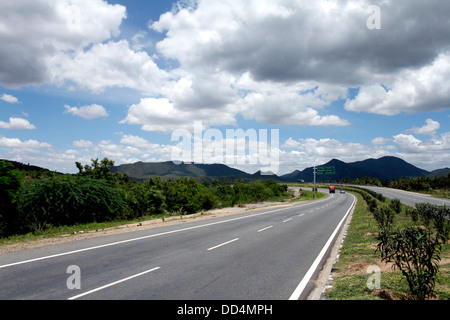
(323, 278)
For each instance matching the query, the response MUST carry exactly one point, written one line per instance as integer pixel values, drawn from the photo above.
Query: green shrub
(416, 253)
(142, 199)
(9, 186)
(438, 214)
(384, 217)
(396, 205)
(256, 191)
(67, 200)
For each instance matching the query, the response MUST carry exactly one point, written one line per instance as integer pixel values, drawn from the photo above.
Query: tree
(9, 185)
(97, 170)
(144, 198)
(67, 200)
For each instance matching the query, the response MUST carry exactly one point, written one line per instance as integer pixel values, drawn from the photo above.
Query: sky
(277, 85)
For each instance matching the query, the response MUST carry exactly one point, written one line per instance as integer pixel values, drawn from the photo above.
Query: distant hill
(28, 167)
(391, 168)
(171, 170)
(383, 168)
(342, 169)
(439, 173)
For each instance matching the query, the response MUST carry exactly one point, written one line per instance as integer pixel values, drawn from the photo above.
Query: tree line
(94, 194)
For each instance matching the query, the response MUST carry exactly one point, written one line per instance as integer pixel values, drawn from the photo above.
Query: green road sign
(326, 170)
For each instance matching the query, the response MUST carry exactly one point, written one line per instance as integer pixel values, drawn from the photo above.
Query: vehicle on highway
(331, 189)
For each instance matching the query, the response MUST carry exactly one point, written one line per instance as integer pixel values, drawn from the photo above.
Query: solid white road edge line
(111, 284)
(301, 286)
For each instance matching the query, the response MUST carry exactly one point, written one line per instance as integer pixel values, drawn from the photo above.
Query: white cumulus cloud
(34, 32)
(422, 89)
(107, 65)
(429, 128)
(9, 98)
(22, 146)
(17, 123)
(90, 112)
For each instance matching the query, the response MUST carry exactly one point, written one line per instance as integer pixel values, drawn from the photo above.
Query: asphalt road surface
(408, 198)
(265, 254)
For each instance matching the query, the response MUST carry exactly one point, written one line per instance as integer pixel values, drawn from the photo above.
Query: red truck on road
(331, 189)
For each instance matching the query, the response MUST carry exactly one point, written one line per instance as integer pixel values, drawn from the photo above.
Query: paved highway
(264, 254)
(408, 198)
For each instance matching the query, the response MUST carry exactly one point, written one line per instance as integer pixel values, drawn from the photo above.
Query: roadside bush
(250, 192)
(442, 222)
(188, 196)
(372, 193)
(416, 253)
(225, 194)
(372, 203)
(438, 214)
(369, 197)
(142, 199)
(415, 215)
(9, 186)
(67, 200)
(256, 191)
(396, 205)
(384, 217)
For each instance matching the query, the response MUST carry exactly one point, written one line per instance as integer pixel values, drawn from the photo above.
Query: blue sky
(93, 79)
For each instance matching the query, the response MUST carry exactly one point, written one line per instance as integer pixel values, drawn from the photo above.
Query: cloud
(129, 149)
(429, 154)
(34, 32)
(139, 41)
(107, 65)
(311, 151)
(412, 90)
(429, 128)
(276, 61)
(87, 112)
(380, 140)
(307, 40)
(294, 154)
(83, 143)
(161, 115)
(9, 98)
(288, 60)
(409, 144)
(19, 146)
(17, 123)
(289, 104)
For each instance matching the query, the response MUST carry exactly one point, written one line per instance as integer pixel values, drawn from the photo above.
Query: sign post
(326, 170)
(314, 171)
(322, 171)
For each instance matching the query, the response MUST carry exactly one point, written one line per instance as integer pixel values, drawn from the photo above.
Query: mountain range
(383, 168)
